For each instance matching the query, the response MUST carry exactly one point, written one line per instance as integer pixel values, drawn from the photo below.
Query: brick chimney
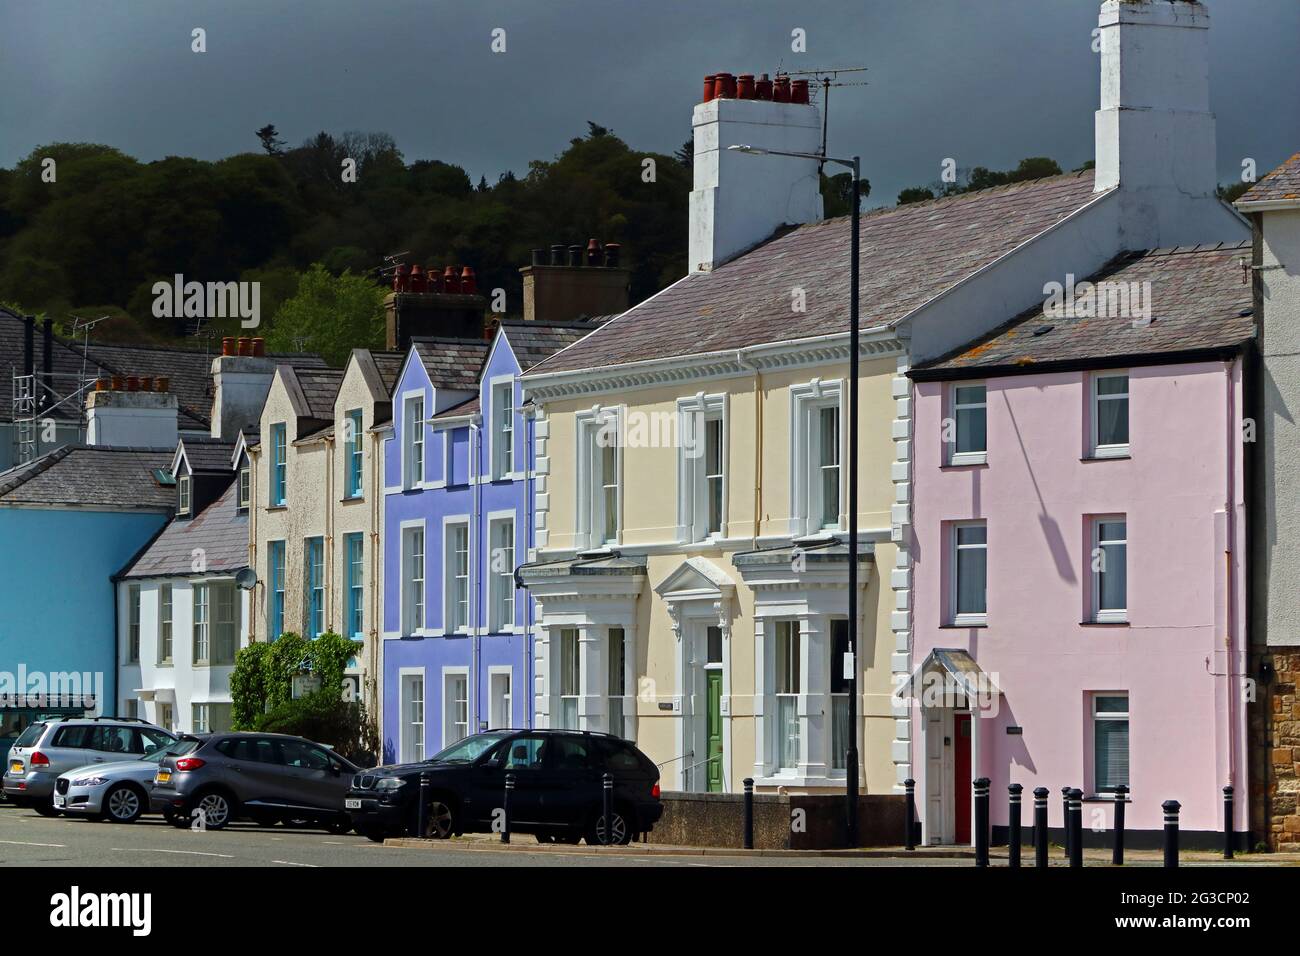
(575, 282)
(128, 417)
(433, 303)
(739, 199)
(1155, 134)
(241, 376)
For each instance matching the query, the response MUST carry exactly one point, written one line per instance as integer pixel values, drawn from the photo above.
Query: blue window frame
(314, 585)
(353, 454)
(275, 561)
(279, 460)
(353, 551)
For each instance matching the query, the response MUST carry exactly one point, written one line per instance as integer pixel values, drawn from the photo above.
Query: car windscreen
(177, 748)
(29, 736)
(469, 749)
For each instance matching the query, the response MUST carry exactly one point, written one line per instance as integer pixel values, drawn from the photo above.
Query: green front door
(713, 731)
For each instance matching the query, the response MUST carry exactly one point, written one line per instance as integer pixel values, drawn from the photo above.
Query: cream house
(314, 477)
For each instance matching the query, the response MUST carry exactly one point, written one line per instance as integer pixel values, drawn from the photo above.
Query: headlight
(89, 781)
(390, 783)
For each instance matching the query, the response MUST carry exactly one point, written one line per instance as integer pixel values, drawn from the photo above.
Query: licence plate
(163, 776)
(352, 804)
(15, 766)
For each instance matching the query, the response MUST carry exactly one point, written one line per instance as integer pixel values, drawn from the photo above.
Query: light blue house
(457, 651)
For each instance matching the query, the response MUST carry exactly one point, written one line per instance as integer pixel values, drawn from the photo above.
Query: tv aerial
(827, 79)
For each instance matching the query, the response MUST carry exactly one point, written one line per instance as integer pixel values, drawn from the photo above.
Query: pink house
(1078, 606)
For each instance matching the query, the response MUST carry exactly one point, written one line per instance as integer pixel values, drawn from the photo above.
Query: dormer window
(503, 435)
(183, 494)
(244, 485)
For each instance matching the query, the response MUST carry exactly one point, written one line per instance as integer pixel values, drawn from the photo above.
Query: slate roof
(190, 370)
(86, 476)
(909, 254)
(452, 363)
(1281, 184)
(209, 455)
(320, 386)
(220, 529)
(534, 342)
(389, 365)
(1198, 302)
(468, 407)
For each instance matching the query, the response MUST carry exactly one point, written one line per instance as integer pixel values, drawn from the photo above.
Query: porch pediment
(696, 579)
(948, 677)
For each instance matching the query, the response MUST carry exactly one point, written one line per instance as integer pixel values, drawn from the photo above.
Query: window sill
(1104, 798)
(284, 507)
(1103, 623)
(967, 460)
(969, 620)
(348, 498)
(1107, 456)
(964, 627)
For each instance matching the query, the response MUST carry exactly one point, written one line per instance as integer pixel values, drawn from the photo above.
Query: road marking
(291, 863)
(126, 849)
(60, 846)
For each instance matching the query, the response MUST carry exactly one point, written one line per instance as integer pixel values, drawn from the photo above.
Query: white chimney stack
(132, 419)
(1155, 132)
(241, 383)
(741, 199)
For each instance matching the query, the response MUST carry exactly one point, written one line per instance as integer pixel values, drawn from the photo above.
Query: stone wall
(807, 822)
(1275, 739)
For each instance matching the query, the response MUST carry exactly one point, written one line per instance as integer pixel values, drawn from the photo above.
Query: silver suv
(56, 745)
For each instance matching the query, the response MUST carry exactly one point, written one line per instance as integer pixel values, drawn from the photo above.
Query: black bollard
(1076, 828)
(909, 840)
(1013, 826)
(1171, 808)
(981, 821)
(608, 788)
(1227, 823)
(422, 811)
(505, 808)
(1117, 852)
(749, 813)
(1040, 827)
(1065, 818)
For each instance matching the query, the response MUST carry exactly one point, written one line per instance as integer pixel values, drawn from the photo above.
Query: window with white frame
(617, 682)
(275, 567)
(787, 687)
(133, 624)
(599, 464)
(455, 721)
(354, 583)
(1110, 569)
(456, 571)
(501, 568)
(202, 623)
(211, 718)
(968, 441)
(503, 434)
(245, 485)
(1109, 741)
(183, 495)
(279, 464)
(569, 679)
(969, 573)
(412, 579)
(225, 624)
(702, 473)
(314, 586)
(164, 624)
(817, 486)
(499, 706)
(413, 441)
(1110, 415)
(412, 717)
(353, 454)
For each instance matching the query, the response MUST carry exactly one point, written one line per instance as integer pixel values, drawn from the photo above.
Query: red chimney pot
(228, 345)
(259, 350)
(745, 86)
(708, 88)
(798, 91)
(781, 89)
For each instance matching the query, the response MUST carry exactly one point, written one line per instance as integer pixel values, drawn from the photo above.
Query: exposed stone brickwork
(1275, 762)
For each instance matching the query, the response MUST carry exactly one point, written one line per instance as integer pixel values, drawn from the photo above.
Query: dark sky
(983, 81)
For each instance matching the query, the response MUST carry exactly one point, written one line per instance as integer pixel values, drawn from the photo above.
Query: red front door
(961, 793)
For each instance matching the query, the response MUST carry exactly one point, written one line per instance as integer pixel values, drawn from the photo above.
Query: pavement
(28, 839)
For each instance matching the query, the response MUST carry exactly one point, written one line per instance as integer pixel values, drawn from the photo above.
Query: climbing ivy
(263, 676)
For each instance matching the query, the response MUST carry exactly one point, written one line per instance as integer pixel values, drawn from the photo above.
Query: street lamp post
(851, 658)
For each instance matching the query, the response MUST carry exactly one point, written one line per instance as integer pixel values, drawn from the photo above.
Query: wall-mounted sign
(304, 684)
(1015, 730)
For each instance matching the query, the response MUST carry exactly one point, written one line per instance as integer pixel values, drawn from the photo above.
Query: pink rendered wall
(1034, 494)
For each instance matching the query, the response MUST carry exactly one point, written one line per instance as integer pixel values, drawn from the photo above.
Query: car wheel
(620, 831)
(216, 810)
(339, 827)
(122, 804)
(46, 808)
(439, 821)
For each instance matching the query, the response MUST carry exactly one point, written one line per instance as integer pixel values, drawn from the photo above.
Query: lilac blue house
(459, 482)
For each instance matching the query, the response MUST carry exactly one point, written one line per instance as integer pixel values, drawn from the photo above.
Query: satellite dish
(246, 579)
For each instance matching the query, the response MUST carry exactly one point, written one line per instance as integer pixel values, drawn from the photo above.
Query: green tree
(330, 315)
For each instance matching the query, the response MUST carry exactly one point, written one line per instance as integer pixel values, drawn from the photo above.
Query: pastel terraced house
(316, 489)
(691, 573)
(1079, 542)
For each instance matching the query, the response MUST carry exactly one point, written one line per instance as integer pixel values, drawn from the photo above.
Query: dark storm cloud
(984, 82)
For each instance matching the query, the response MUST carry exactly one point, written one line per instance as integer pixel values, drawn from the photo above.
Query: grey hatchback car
(266, 778)
(56, 745)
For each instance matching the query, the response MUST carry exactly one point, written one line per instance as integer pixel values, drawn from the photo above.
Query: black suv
(557, 795)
